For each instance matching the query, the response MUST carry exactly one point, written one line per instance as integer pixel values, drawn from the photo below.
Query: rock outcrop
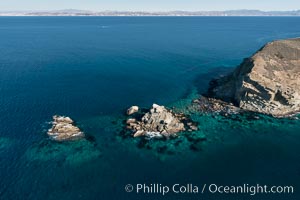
(63, 128)
(212, 106)
(268, 82)
(159, 122)
(132, 110)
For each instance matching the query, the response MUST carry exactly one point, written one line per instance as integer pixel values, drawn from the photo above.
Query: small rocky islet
(67, 145)
(158, 122)
(63, 129)
(266, 83)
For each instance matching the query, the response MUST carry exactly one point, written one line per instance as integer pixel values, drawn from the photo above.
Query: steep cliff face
(268, 82)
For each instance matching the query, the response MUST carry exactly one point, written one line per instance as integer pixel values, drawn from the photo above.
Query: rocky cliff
(268, 82)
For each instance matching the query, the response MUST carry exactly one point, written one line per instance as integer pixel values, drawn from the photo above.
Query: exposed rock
(211, 105)
(131, 120)
(63, 128)
(268, 82)
(194, 128)
(139, 133)
(132, 110)
(159, 122)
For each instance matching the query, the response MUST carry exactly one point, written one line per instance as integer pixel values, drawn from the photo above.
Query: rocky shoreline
(267, 83)
(214, 106)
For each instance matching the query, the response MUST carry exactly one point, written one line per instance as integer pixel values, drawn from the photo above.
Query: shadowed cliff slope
(268, 82)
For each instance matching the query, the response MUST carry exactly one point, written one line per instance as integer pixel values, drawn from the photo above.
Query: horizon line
(87, 10)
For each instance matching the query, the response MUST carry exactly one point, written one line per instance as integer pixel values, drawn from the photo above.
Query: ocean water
(93, 68)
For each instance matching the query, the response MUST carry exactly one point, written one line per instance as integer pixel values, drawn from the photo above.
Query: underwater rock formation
(159, 122)
(63, 128)
(69, 153)
(268, 82)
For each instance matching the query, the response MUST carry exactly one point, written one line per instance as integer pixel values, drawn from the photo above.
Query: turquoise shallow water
(93, 68)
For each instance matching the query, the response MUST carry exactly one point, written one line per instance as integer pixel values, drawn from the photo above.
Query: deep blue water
(93, 68)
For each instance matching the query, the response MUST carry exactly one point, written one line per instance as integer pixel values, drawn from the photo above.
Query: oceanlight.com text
(156, 188)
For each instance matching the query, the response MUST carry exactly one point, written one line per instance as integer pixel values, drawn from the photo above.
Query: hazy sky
(149, 5)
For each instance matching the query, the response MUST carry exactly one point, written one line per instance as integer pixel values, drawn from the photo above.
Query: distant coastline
(72, 12)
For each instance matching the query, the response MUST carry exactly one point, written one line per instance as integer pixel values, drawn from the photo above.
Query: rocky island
(268, 82)
(63, 129)
(158, 122)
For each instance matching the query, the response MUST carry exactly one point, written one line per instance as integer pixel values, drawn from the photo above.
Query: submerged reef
(69, 152)
(5, 143)
(267, 83)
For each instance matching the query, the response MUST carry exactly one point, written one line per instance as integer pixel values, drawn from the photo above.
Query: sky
(149, 5)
